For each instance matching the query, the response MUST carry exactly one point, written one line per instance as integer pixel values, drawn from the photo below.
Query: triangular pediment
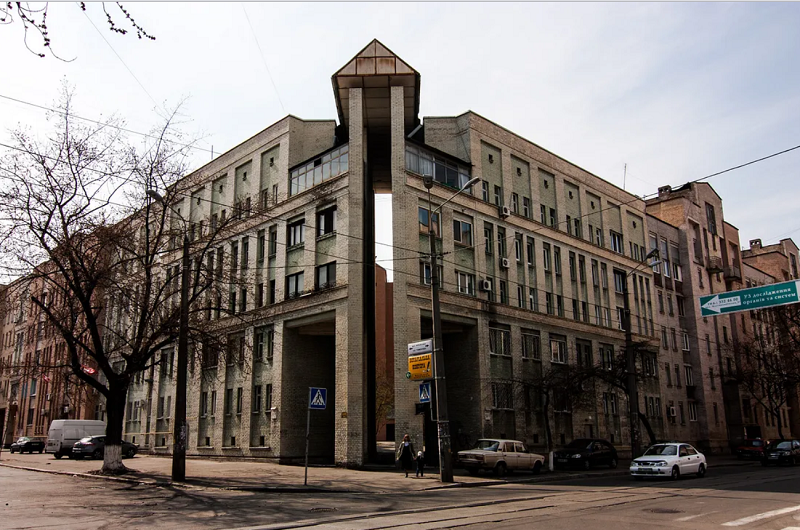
(375, 59)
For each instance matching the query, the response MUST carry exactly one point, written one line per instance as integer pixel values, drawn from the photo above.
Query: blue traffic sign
(425, 392)
(317, 398)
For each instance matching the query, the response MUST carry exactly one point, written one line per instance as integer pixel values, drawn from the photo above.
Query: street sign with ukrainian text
(748, 299)
(419, 367)
(418, 348)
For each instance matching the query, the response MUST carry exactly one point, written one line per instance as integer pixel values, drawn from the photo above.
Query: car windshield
(666, 450)
(86, 439)
(23, 439)
(579, 444)
(753, 443)
(780, 445)
(487, 445)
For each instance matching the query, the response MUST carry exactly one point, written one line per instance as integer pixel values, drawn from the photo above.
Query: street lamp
(179, 431)
(630, 357)
(442, 421)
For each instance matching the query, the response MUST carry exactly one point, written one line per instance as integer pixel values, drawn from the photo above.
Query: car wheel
(130, 453)
(638, 479)
(586, 465)
(41, 451)
(537, 468)
(77, 457)
(701, 471)
(676, 473)
(12, 451)
(98, 454)
(58, 456)
(613, 463)
(500, 469)
(473, 471)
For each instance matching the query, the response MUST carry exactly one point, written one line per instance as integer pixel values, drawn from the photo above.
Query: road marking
(759, 516)
(690, 517)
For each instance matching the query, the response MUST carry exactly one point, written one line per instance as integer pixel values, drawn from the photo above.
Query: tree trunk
(643, 419)
(115, 409)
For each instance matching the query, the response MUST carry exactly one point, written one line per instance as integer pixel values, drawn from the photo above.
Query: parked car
(669, 460)
(63, 434)
(26, 443)
(585, 453)
(500, 456)
(94, 446)
(751, 449)
(781, 452)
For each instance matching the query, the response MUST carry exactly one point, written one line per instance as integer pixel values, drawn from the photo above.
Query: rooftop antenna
(624, 175)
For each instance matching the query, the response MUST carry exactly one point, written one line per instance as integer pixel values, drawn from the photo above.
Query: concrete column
(275, 416)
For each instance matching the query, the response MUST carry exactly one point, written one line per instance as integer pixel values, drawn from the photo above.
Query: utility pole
(179, 433)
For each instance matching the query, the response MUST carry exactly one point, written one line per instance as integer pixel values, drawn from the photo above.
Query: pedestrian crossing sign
(425, 392)
(317, 398)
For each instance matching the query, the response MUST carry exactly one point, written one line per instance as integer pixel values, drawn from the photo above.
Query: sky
(671, 91)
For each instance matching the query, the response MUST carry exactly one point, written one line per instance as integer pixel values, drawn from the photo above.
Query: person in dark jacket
(405, 454)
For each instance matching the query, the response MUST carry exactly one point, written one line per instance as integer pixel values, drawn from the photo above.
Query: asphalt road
(748, 497)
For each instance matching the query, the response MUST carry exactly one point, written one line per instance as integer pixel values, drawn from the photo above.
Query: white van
(64, 433)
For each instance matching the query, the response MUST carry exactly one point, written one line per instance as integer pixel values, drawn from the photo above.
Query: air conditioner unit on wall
(504, 211)
(672, 412)
(505, 263)
(486, 285)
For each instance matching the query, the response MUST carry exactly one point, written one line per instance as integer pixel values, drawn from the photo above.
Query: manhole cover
(322, 509)
(662, 510)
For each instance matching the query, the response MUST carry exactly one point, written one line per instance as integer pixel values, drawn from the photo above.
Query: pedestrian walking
(420, 464)
(405, 454)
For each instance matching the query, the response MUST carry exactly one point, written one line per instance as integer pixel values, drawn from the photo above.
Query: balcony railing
(714, 264)
(732, 273)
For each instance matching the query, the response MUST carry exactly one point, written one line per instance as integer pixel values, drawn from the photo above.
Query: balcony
(714, 264)
(732, 273)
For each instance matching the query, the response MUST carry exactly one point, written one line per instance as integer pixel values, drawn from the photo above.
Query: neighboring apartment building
(32, 391)
(708, 251)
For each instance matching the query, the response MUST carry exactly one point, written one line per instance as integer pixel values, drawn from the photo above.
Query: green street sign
(747, 299)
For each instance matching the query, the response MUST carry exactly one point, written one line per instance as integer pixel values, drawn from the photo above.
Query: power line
(146, 135)
(263, 60)
(120, 59)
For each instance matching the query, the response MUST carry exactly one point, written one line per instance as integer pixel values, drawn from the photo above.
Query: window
(578, 230)
(572, 271)
(669, 305)
(664, 340)
(498, 196)
(664, 254)
(569, 224)
(543, 214)
(685, 340)
(576, 312)
(559, 305)
(503, 292)
(327, 166)
(425, 273)
(256, 399)
(499, 341)
(423, 222)
(692, 411)
(595, 274)
(294, 285)
(515, 203)
(677, 376)
(245, 252)
(674, 336)
(613, 403)
(239, 395)
(689, 375)
(203, 405)
(654, 246)
(228, 401)
(582, 269)
(485, 190)
(599, 236)
(619, 281)
(531, 345)
(462, 232)
(557, 260)
(326, 221)
(553, 218)
(533, 299)
(326, 276)
(268, 398)
(661, 302)
(273, 240)
(261, 249)
(526, 207)
(530, 251)
(620, 318)
(681, 303)
(502, 396)
(546, 256)
(213, 402)
(521, 296)
(558, 349)
(548, 299)
(668, 373)
(616, 242)
(295, 233)
(465, 283)
(712, 219)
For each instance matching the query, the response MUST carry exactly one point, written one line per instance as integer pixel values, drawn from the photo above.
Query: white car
(500, 456)
(669, 460)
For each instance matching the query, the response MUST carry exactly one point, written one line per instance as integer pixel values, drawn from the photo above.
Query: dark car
(585, 453)
(93, 447)
(26, 443)
(752, 449)
(781, 452)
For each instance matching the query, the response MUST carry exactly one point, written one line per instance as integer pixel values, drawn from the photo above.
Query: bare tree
(34, 19)
(109, 271)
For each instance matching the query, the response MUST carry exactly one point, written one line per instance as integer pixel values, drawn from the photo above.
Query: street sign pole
(308, 431)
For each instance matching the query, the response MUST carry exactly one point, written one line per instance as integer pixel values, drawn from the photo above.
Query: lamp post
(179, 430)
(630, 359)
(442, 420)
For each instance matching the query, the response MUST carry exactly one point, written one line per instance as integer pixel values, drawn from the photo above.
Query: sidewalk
(265, 476)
